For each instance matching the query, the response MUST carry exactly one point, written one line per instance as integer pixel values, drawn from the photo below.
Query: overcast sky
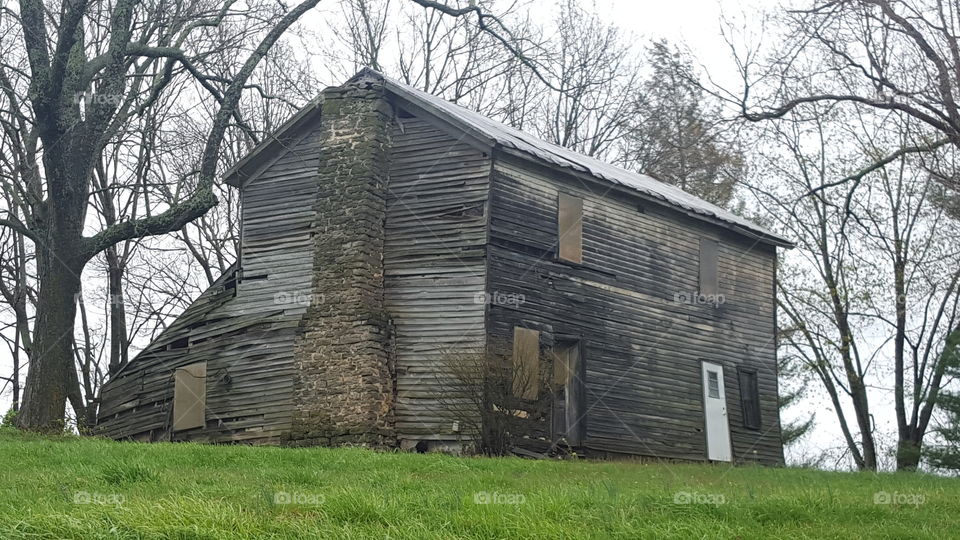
(694, 23)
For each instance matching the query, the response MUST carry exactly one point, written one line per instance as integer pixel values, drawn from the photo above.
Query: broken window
(190, 396)
(526, 363)
(570, 228)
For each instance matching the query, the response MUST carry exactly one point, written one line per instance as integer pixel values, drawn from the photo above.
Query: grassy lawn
(71, 487)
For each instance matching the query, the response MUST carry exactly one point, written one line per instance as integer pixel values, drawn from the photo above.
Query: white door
(715, 413)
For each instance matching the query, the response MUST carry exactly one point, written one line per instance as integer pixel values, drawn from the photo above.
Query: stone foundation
(343, 390)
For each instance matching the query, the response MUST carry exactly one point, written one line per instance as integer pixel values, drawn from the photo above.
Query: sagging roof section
(528, 146)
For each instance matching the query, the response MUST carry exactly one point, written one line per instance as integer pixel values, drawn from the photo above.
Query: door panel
(715, 413)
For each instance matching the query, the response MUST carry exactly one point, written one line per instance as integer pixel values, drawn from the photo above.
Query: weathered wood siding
(642, 348)
(434, 268)
(461, 234)
(244, 334)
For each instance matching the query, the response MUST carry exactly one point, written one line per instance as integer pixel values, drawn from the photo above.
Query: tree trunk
(866, 430)
(15, 376)
(908, 454)
(118, 314)
(51, 377)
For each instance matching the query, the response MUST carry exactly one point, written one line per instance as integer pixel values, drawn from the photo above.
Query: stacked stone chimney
(343, 381)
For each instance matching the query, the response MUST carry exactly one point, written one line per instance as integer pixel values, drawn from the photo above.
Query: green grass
(70, 487)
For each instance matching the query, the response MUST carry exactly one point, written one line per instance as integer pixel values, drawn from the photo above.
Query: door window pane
(713, 384)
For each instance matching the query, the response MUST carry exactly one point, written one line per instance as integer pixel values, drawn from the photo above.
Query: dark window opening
(569, 396)
(709, 276)
(231, 283)
(253, 277)
(749, 398)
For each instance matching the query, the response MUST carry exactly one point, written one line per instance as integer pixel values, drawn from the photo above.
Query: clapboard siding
(642, 348)
(434, 269)
(245, 334)
(459, 230)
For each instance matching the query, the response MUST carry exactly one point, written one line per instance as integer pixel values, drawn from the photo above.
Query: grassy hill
(70, 487)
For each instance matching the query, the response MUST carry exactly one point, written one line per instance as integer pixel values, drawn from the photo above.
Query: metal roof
(524, 144)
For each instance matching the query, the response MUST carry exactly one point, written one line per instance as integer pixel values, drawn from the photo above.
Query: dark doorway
(569, 421)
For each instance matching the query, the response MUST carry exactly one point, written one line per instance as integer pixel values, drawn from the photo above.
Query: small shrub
(476, 391)
(9, 418)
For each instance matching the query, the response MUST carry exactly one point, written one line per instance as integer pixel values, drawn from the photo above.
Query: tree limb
(203, 197)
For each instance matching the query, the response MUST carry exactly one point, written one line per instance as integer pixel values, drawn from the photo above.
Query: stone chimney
(343, 389)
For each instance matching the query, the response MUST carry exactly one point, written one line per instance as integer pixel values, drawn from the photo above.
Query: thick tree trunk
(909, 451)
(51, 377)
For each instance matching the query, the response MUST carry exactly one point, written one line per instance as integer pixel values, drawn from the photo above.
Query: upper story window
(570, 228)
(709, 276)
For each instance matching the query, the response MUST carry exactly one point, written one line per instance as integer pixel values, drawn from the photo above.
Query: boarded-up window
(749, 398)
(526, 363)
(570, 228)
(190, 396)
(709, 283)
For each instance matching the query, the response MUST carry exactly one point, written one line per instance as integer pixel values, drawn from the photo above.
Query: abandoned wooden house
(385, 230)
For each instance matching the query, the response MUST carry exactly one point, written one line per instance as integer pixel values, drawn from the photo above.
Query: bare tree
(899, 56)
(124, 56)
(875, 257)
(817, 296)
(596, 71)
(917, 244)
(365, 32)
(447, 56)
(17, 296)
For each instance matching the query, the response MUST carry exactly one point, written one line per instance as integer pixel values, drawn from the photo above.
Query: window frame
(709, 267)
(713, 384)
(749, 397)
(569, 233)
